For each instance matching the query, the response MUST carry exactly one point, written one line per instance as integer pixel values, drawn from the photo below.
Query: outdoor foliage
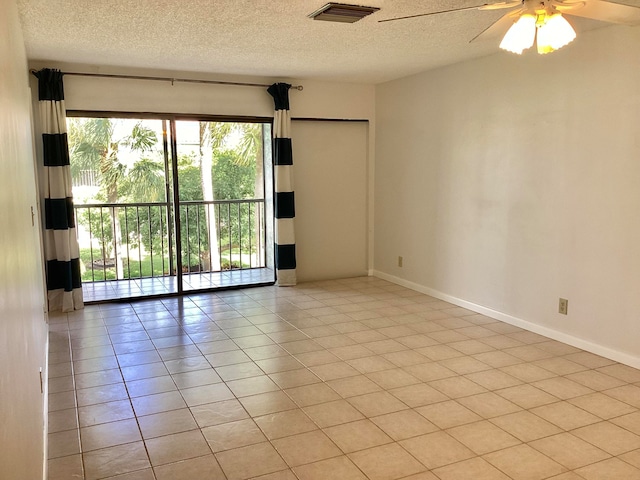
(130, 170)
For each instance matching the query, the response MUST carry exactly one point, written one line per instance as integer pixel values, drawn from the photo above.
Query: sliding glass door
(166, 205)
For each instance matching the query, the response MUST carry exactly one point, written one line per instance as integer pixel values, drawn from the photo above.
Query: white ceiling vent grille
(340, 12)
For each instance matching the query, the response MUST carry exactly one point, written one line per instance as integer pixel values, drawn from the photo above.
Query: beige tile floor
(345, 379)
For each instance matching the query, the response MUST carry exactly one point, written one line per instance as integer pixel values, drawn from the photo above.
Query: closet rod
(171, 79)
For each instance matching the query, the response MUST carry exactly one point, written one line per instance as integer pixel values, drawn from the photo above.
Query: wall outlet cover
(563, 306)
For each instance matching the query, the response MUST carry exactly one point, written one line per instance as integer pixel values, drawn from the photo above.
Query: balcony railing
(145, 246)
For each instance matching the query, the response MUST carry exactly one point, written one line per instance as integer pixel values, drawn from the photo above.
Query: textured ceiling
(271, 38)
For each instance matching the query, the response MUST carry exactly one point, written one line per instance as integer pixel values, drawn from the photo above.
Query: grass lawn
(134, 268)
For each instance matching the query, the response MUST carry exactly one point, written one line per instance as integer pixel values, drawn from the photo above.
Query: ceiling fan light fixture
(521, 35)
(554, 33)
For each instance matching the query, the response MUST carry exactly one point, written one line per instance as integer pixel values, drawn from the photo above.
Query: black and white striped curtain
(284, 210)
(64, 289)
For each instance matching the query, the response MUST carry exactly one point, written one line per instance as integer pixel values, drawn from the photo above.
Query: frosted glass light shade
(555, 33)
(521, 35)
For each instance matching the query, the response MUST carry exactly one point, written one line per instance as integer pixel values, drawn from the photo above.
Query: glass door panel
(221, 200)
(123, 204)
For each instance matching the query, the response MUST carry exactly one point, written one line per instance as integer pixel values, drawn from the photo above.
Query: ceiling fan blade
(501, 5)
(484, 6)
(601, 10)
(499, 27)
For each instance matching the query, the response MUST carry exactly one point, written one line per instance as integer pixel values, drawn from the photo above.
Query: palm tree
(92, 146)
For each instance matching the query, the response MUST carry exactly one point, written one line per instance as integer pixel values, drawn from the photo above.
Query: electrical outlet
(400, 262)
(563, 306)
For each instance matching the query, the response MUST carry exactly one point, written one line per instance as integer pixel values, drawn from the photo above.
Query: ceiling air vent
(339, 12)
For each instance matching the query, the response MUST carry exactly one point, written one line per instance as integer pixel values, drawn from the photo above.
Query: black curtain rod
(170, 79)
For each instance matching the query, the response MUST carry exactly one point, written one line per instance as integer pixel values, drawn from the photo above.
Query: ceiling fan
(543, 20)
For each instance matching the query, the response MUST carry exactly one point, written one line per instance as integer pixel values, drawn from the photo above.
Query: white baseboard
(45, 406)
(589, 346)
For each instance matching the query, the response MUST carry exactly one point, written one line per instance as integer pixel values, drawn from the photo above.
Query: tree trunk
(212, 260)
(108, 161)
(112, 197)
(258, 192)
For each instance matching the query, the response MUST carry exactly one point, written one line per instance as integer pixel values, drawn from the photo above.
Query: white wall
(509, 182)
(323, 100)
(318, 99)
(331, 199)
(22, 325)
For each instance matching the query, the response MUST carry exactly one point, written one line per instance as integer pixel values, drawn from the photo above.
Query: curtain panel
(62, 253)
(284, 199)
